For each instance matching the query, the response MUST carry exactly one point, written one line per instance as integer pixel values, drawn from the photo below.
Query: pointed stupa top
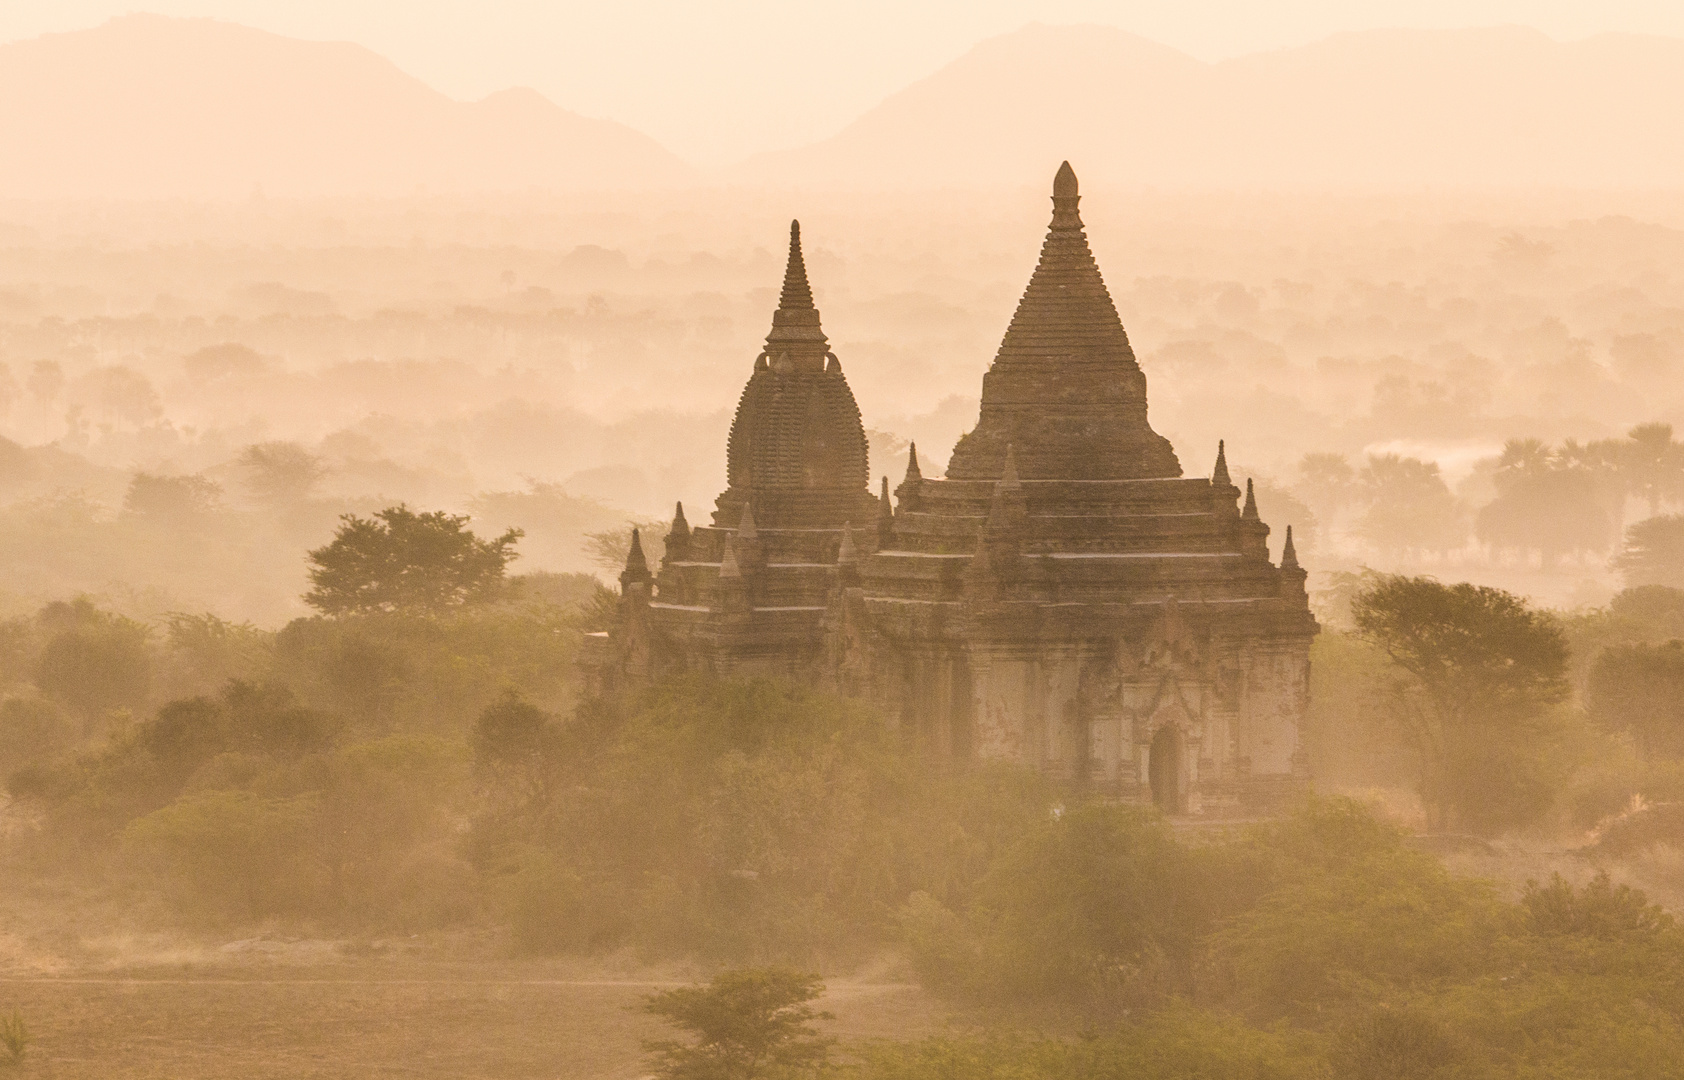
(745, 525)
(1250, 510)
(1065, 386)
(797, 427)
(680, 527)
(796, 339)
(1219, 475)
(728, 567)
(637, 567)
(912, 471)
(886, 508)
(848, 553)
(1289, 553)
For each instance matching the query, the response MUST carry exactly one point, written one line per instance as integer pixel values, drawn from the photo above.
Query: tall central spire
(1065, 389)
(796, 341)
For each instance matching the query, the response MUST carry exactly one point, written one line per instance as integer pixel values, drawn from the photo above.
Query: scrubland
(239, 835)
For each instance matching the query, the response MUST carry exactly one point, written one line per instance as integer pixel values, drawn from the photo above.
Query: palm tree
(1654, 464)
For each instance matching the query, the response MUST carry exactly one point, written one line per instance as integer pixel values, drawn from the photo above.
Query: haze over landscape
(270, 275)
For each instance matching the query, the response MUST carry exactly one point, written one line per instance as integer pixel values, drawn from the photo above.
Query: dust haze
(259, 292)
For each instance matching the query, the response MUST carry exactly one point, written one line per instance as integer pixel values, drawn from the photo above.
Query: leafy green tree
(1654, 552)
(1476, 675)
(93, 661)
(747, 1024)
(401, 561)
(1639, 689)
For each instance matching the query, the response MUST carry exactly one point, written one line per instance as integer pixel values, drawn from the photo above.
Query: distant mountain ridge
(148, 106)
(1489, 107)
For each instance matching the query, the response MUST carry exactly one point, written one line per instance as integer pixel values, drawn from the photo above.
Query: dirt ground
(286, 1017)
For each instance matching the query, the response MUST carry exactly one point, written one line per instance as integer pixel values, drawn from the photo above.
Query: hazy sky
(715, 81)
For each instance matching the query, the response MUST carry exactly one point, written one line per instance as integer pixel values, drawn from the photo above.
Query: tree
(280, 472)
(747, 1024)
(94, 661)
(399, 560)
(1654, 552)
(1654, 464)
(1477, 674)
(1547, 502)
(171, 498)
(1409, 507)
(1639, 689)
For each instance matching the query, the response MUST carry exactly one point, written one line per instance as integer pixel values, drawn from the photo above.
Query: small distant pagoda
(1062, 597)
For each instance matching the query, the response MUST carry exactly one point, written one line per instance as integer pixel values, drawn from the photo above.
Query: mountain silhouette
(1488, 107)
(147, 106)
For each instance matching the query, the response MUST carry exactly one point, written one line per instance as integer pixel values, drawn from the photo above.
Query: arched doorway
(1164, 763)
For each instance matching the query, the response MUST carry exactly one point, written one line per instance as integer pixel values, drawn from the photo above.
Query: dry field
(286, 1017)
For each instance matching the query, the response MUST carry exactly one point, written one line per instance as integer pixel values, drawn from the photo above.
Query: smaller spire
(728, 568)
(912, 471)
(1289, 553)
(847, 554)
(637, 567)
(745, 525)
(680, 527)
(1219, 475)
(1250, 511)
(1008, 475)
(885, 507)
(885, 519)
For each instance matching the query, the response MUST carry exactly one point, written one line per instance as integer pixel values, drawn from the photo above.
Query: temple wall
(1276, 695)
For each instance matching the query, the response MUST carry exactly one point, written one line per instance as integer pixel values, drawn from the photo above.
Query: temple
(1063, 597)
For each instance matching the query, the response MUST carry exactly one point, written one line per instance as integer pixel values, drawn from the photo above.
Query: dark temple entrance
(1164, 763)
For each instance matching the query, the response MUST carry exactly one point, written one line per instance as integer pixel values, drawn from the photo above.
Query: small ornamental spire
(680, 530)
(1250, 511)
(728, 568)
(1008, 475)
(1289, 553)
(913, 473)
(847, 554)
(1219, 475)
(637, 567)
(745, 525)
(885, 519)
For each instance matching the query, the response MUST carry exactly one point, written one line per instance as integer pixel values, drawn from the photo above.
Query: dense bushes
(1322, 945)
(738, 820)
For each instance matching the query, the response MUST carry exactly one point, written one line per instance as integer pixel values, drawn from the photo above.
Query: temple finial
(912, 470)
(637, 567)
(796, 342)
(887, 507)
(1064, 182)
(797, 293)
(847, 553)
(680, 527)
(1008, 475)
(1250, 510)
(1289, 553)
(1219, 475)
(745, 524)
